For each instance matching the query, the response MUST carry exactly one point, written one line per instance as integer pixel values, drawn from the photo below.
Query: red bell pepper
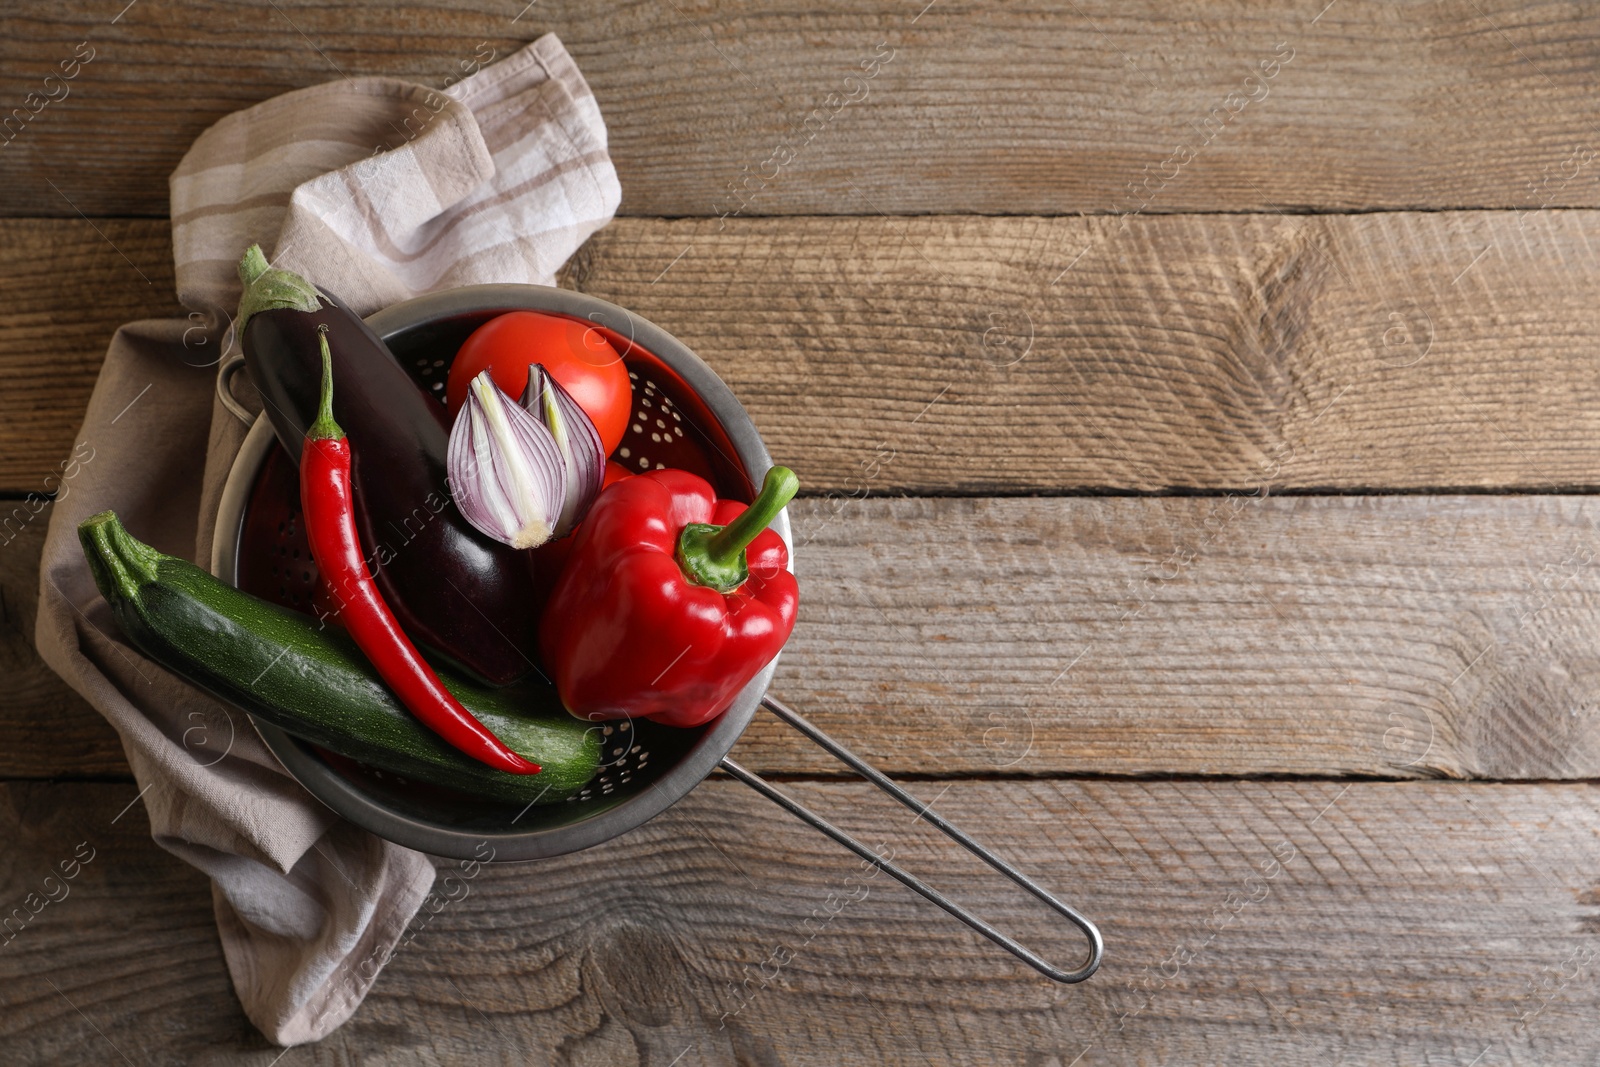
(671, 601)
(550, 559)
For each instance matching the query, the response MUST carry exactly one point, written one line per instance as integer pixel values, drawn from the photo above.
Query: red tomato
(574, 353)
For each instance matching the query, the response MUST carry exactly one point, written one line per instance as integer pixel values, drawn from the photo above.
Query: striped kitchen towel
(388, 189)
(377, 190)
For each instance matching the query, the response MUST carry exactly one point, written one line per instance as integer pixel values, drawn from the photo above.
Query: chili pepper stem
(325, 429)
(714, 555)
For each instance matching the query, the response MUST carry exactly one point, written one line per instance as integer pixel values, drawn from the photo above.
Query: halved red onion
(576, 439)
(506, 474)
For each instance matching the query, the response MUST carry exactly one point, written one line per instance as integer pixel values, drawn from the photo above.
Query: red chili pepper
(672, 599)
(330, 528)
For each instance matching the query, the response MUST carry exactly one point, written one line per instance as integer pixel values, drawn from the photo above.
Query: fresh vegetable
(671, 601)
(526, 472)
(331, 530)
(576, 439)
(614, 473)
(451, 588)
(311, 681)
(576, 353)
(548, 560)
(507, 473)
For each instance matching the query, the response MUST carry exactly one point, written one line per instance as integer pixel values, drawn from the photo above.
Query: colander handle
(877, 778)
(226, 373)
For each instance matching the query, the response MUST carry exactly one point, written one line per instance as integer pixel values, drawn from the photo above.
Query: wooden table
(1200, 415)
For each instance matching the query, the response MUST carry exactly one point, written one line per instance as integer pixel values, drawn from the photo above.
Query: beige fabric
(377, 190)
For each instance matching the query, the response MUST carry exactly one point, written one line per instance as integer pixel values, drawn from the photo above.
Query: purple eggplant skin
(463, 595)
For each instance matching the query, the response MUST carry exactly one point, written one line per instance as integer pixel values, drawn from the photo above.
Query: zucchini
(311, 681)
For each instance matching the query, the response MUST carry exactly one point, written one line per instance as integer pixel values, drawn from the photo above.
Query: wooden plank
(928, 355)
(1393, 636)
(937, 355)
(1368, 635)
(988, 108)
(128, 937)
(1246, 922)
(65, 288)
(46, 729)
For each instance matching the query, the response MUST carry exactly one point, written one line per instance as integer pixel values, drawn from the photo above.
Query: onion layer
(507, 474)
(576, 439)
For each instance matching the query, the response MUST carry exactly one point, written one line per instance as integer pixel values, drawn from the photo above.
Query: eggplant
(465, 596)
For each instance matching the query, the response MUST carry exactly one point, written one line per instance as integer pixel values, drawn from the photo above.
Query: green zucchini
(311, 681)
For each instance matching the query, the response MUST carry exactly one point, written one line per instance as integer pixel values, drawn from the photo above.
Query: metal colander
(684, 417)
(273, 561)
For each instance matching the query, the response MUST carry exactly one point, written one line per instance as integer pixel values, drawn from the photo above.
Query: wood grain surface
(887, 106)
(1050, 306)
(1248, 923)
(1391, 636)
(958, 355)
(1308, 635)
(46, 729)
(1208, 352)
(65, 287)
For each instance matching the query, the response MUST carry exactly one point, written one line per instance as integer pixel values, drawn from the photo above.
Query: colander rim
(403, 828)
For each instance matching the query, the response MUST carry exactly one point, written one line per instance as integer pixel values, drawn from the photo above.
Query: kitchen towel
(377, 190)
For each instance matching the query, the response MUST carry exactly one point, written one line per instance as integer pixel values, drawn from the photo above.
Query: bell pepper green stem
(776, 492)
(325, 429)
(714, 555)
